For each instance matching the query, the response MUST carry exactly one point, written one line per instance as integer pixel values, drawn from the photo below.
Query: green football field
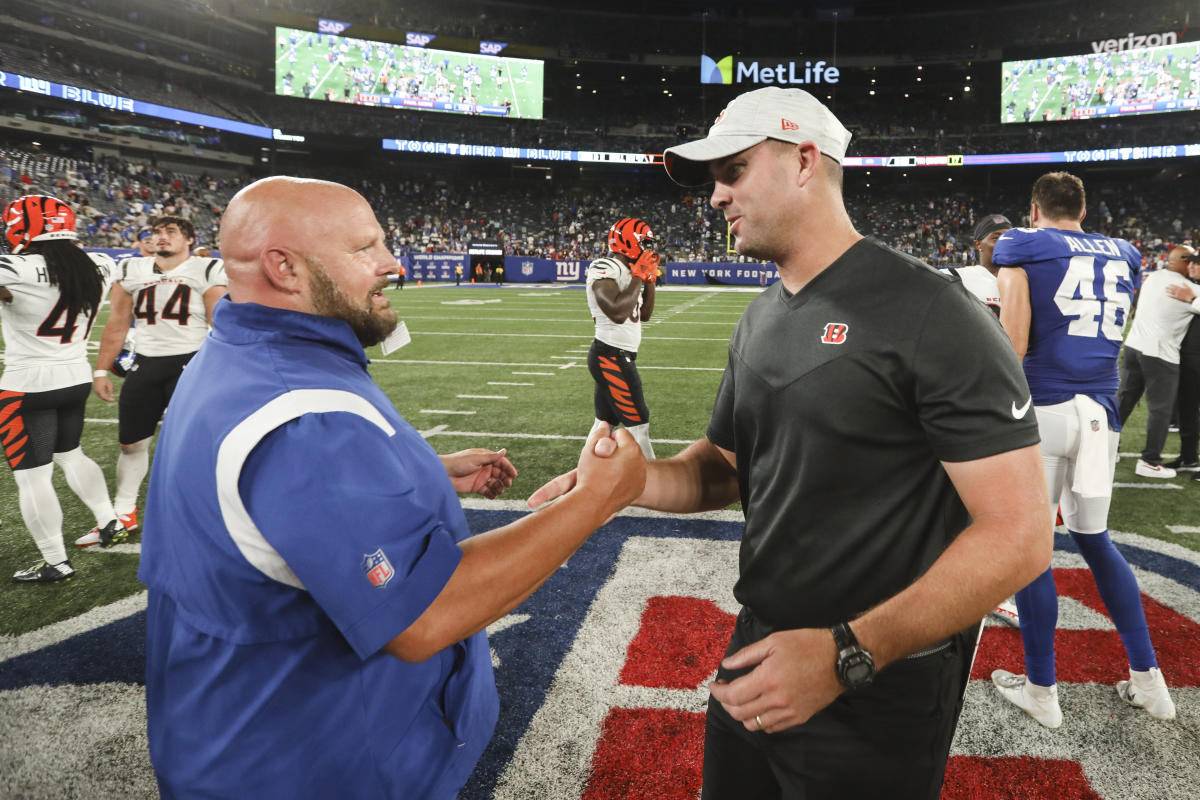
(507, 367)
(1041, 87)
(517, 82)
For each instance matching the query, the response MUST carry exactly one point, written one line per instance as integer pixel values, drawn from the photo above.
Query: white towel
(1093, 472)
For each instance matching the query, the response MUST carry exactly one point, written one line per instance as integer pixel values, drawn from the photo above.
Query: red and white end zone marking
(554, 757)
(625, 710)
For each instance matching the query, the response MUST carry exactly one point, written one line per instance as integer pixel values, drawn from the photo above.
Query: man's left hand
(793, 678)
(1183, 293)
(480, 471)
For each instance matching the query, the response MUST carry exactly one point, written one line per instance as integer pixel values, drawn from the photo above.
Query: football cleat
(1148, 690)
(42, 572)
(112, 533)
(1147, 470)
(37, 218)
(1006, 612)
(129, 520)
(1180, 465)
(1039, 702)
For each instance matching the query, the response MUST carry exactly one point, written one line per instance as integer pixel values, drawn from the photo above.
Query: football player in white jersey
(980, 280)
(169, 298)
(620, 294)
(50, 291)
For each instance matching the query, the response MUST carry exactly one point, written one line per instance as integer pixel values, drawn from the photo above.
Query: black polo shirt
(839, 402)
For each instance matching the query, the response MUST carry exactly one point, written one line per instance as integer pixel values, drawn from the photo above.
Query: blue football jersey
(1081, 287)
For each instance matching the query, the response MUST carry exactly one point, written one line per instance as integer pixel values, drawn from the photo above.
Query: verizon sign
(1135, 42)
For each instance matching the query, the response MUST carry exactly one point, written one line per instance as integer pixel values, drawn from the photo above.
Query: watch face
(859, 672)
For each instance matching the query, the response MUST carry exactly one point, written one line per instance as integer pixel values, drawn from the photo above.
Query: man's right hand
(103, 388)
(646, 266)
(611, 468)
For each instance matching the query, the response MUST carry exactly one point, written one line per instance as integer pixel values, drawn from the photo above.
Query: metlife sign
(782, 73)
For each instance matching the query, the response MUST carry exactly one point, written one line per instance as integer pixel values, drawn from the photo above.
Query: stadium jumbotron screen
(1111, 84)
(340, 69)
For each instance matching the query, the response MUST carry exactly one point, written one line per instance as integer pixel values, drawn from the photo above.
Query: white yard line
(512, 88)
(13, 646)
(509, 383)
(446, 411)
(1183, 528)
(545, 374)
(695, 301)
(1146, 486)
(483, 396)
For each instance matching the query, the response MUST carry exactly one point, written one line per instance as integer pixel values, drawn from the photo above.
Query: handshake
(645, 266)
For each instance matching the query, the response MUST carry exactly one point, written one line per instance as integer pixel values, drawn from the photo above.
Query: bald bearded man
(317, 605)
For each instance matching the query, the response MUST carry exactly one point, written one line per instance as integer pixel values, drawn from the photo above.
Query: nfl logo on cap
(377, 568)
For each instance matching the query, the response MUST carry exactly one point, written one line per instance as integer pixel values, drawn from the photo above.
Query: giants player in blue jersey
(1065, 296)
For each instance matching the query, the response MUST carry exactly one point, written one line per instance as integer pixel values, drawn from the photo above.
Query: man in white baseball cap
(786, 115)
(891, 498)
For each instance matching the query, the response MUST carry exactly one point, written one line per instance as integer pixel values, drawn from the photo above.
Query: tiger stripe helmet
(37, 218)
(626, 237)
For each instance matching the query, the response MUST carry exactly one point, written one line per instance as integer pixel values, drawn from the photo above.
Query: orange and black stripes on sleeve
(12, 428)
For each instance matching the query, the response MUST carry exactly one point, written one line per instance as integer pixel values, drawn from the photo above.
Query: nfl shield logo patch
(377, 568)
(1095, 425)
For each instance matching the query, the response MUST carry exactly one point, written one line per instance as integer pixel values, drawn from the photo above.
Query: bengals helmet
(630, 237)
(37, 218)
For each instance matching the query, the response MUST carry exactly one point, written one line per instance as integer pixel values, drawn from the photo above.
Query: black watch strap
(843, 637)
(855, 667)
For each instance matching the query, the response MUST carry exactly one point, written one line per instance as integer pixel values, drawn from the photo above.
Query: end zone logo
(632, 690)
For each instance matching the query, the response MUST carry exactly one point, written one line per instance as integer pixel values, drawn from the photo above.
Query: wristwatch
(855, 666)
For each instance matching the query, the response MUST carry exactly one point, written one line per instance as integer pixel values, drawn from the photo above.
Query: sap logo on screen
(491, 48)
(413, 39)
(787, 72)
(331, 26)
(1134, 42)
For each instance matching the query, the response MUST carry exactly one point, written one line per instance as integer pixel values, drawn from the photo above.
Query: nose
(720, 196)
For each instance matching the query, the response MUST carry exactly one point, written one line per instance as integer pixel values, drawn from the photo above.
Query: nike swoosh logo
(1019, 413)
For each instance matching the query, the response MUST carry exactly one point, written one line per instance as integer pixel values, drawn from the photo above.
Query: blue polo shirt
(295, 524)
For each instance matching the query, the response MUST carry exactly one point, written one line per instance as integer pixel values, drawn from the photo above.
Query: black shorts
(148, 387)
(36, 425)
(618, 397)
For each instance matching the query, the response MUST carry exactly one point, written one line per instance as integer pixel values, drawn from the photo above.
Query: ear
(808, 155)
(1034, 214)
(282, 270)
(1081, 218)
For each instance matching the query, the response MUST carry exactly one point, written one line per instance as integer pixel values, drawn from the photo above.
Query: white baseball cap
(789, 115)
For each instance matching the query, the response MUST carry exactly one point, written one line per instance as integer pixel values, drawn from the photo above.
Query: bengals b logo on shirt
(835, 333)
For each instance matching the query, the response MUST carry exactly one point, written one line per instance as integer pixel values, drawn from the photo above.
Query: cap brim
(687, 164)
